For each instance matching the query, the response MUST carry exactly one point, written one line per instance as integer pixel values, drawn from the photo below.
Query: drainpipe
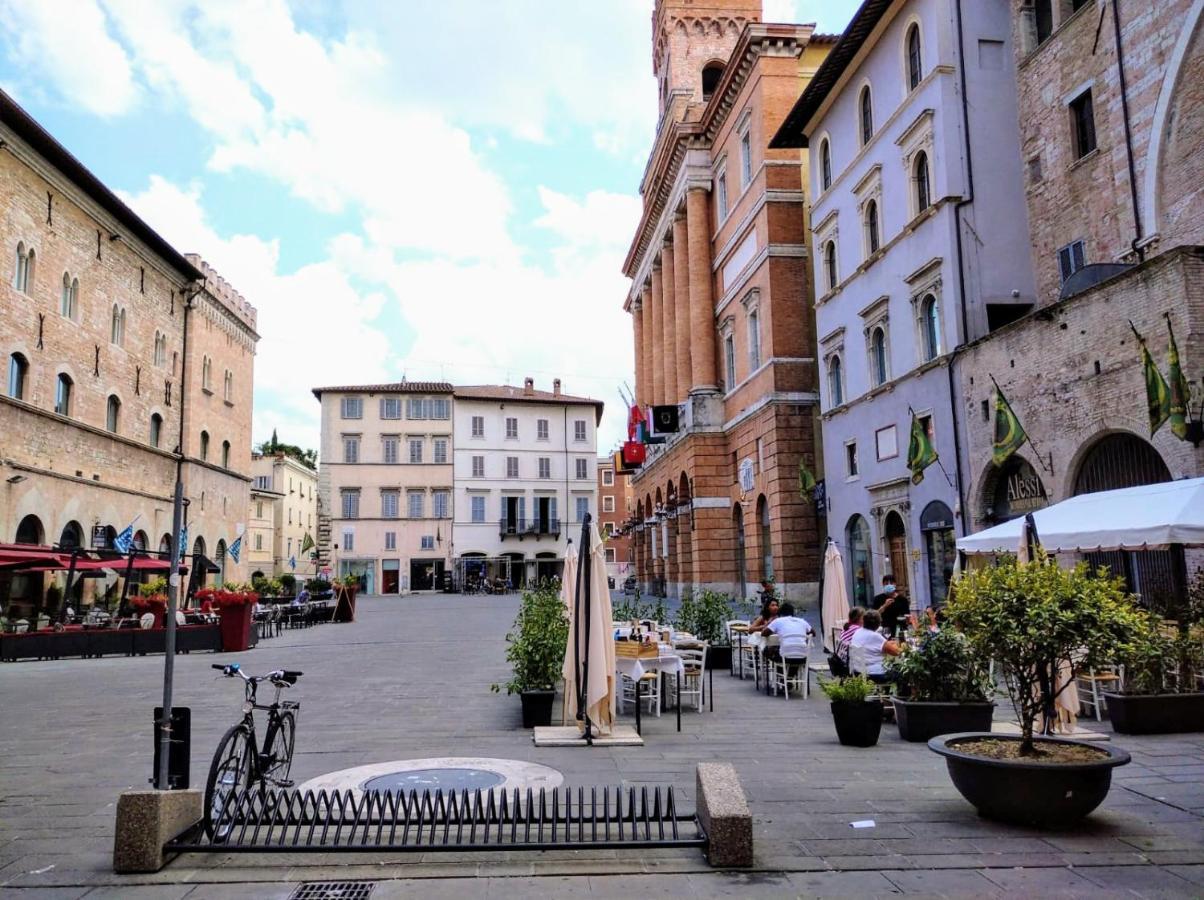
(1124, 107)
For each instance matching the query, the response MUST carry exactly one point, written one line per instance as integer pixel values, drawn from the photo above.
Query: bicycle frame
(250, 704)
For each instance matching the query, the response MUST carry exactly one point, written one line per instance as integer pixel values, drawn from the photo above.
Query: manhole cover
(433, 779)
(333, 890)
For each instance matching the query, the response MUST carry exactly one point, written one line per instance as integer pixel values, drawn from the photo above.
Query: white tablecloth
(668, 662)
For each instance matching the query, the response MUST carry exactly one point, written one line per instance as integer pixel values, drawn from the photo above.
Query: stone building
(922, 241)
(284, 500)
(95, 309)
(615, 508)
(720, 282)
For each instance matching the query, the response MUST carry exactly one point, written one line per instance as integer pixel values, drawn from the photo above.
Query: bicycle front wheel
(278, 757)
(230, 772)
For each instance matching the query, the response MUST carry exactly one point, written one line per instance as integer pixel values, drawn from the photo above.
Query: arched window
(225, 454)
(160, 349)
(915, 64)
(207, 373)
(20, 267)
(930, 327)
(18, 373)
(117, 328)
(711, 73)
(228, 386)
(766, 539)
(835, 381)
(866, 106)
(830, 264)
(741, 572)
(825, 164)
(861, 580)
(66, 306)
(754, 341)
(156, 429)
(923, 192)
(878, 356)
(30, 531)
(62, 394)
(112, 413)
(873, 240)
(204, 445)
(72, 536)
(1043, 19)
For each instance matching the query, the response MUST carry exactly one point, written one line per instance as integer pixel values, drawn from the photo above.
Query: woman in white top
(868, 649)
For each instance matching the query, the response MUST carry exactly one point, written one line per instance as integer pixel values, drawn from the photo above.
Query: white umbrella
(590, 656)
(568, 593)
(835, 601)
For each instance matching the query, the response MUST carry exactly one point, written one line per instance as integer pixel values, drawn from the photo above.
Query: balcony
(521, 528)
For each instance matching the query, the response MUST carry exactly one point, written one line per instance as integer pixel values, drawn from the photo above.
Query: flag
(635, 423)
(1009, 433)
(1157, 394)
(1179, 393)
(307, 543)
(235, 549)
(920, 452)
(292, 563)
(184, 542)
(806, 481)
(124, 541)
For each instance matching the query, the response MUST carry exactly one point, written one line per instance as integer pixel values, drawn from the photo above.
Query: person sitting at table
(892, 605)
(868, 650)
(769, 611)
(850, 627)
(795, 634)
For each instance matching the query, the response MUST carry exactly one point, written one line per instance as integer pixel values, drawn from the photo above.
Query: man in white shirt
(868, 649)
(794, 632)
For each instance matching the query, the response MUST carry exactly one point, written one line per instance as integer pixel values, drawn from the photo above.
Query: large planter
(920, 720)
(1156, 713)
(537, 708)
(111, 641)
(344, 606)
(1027, 792)
(236, 627)
(857, 724)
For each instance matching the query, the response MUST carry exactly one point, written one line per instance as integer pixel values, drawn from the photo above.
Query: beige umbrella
(589, 659)
(568, 593)
(835, 601)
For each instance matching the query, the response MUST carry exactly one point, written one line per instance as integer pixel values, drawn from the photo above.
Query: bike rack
(256, 821)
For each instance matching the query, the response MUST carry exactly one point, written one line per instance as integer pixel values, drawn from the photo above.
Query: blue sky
(436, 189)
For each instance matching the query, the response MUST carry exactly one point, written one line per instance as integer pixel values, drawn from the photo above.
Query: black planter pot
(920, 720)
(537, 708)
(719, 657)
(857, 724)
(1156, 713)
(1029, 793)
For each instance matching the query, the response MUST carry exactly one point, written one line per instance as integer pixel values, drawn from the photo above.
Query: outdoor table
(635, 669)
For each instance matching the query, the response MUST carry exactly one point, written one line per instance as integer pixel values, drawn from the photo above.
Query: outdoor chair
(858, 665)
(693, 684)
(1091, 684)
(650, 691)
(783, 673)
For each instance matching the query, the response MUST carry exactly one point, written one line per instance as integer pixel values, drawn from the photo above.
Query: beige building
(95, 310)
(385, 481)
(284, 501)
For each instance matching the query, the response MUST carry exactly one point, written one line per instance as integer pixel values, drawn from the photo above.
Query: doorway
(425, 574)
(390, 576)
(896, 550)
(741, 561)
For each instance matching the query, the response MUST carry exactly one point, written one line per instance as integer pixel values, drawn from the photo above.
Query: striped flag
(235, 549)
(1009, 433)
(183, 550)
(124, 541)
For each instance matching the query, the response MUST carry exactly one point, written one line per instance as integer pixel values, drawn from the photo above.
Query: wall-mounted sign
(746, 475)
(1018, 490)
(100, 537)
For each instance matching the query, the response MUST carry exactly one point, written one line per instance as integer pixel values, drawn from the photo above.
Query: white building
(284, 509)
(524, 478)
(919, 233)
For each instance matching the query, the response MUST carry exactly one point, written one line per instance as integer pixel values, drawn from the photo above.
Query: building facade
(616, 508)
(917, 255)
(291, 488)
(525, 477)
(385, 480)
(98, 330)
(720, 282)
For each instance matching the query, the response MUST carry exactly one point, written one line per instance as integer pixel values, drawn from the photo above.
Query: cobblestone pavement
(411, 679)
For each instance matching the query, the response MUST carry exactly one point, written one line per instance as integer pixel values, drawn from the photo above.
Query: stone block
(724, 814)
(146, 820)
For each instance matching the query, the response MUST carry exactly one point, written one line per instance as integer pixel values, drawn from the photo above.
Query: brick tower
(691, 42)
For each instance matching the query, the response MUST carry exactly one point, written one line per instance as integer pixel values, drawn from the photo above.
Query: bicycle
(237, 762)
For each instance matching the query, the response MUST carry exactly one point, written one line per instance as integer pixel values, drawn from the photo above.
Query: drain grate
(333, 890)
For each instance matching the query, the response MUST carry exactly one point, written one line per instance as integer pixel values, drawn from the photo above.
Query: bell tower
(692, 40)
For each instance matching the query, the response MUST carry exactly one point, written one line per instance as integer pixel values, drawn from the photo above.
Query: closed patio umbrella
(835, 600)
(589, 659)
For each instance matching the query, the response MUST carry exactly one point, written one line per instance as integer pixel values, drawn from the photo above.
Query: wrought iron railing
(521, 528)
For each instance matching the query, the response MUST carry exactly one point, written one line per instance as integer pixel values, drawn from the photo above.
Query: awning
(1150, 517)
(23, 555)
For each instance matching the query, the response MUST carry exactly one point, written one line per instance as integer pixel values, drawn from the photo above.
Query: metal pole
(169, 643)
(586, 543)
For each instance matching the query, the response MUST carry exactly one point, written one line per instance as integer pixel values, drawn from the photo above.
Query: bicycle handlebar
(289, 676)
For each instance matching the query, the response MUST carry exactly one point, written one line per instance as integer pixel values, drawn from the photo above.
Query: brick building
(616, 506)
(720, 305)
(95, 312)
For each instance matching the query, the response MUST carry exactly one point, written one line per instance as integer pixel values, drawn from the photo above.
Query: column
(681, 299)
(669, 317)
(702, 304)
(637, 320)
(646, 348)
(658, 339)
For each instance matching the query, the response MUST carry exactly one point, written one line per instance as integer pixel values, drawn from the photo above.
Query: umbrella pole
(61, 612)
(129, 573)
(582, 710)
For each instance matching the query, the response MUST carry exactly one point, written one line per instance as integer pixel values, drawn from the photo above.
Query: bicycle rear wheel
(229, 772)
(278, 757)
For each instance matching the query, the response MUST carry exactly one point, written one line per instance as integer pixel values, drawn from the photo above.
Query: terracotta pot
(236, 627)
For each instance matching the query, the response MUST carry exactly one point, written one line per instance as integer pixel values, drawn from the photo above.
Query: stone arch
(988, 485)
(1118, 459)
(30, 531)
(71, 537)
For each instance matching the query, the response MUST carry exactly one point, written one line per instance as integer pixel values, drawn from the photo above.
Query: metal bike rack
(352, 821)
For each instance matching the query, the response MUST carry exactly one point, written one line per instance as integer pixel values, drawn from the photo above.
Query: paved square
(410, 679)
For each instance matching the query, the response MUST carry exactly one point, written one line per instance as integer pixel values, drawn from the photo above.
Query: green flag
(1179, 393)
(920, 452)
(307, 543)
(1157, 394)
(1009, 433)
(806, 481)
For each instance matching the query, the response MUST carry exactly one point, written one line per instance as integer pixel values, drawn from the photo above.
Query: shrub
(537, 642)
(635, 610)
(945, 668)
(1169, 655)
(705, 615)
(288, 584)
(856, 689)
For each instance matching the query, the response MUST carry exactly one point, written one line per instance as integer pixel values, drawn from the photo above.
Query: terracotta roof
(397, 387)
(520, 395)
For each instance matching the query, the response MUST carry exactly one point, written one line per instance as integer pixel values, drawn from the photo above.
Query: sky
(428, 189)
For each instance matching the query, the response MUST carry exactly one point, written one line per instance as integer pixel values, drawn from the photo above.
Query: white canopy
(1149, 517)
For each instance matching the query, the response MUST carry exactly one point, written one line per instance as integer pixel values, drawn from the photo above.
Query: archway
(165, 544)
(72, 536)
(220, 561)
(685, 529)
(894, 531)
(741, 571)
(765, 539)
(861, 569)
(940, 550)
(30, 531)
(140, 540)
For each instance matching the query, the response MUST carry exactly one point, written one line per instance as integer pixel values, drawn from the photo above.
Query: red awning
(20, 556)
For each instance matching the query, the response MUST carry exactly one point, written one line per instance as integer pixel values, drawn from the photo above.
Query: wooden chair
(1091, 684)
(786, 672)
(650, 691)
(693, 682)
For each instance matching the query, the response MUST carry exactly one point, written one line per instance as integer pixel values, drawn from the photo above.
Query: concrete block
(724, 814)
(146, 820)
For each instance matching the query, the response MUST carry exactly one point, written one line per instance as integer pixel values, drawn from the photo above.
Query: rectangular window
(389, 501)
(390, 540)
(579, 430)
(348, 541)
(545, 467)
(352, 407)
(416, 450)
(390, 407)
(608, 477)
(745, 160)
(351, 449)
(610, 554)
(259, 542)
(263, 482)
(608, 504)
(721, 195)
(511, 466)
(478, 467)
(259, 510)
(1082, 124)
(1071, 258)
(729, 361)
(850, 459)
(416, 408)
(511, 428)
(478, 426)
(389, 449)
(441, 450)
(428, 542)
(478, 509)
(440, 501)
(583, 468)
(541, 429)
(414, 504)
(754, 341)
(439, 408)
(351, 504)
(582, 508)
(886, 441)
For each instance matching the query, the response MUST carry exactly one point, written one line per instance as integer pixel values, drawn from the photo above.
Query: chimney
(556, 387)
(528, 385)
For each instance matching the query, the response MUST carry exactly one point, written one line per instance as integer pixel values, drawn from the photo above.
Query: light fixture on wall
(15, 479)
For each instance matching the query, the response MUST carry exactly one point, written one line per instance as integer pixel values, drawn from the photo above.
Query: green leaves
(854, 689)
(537, 641)
(705, 615)
(945, 668)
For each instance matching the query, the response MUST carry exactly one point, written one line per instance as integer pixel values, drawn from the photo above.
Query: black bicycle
(238, 764)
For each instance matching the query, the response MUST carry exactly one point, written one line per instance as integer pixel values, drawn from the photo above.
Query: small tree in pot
(536, 648)
(858, 719)
(950, 687)
(705, 615)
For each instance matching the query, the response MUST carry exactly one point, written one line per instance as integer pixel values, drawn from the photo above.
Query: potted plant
(536, 653)
(948, 686)
(705, 615)
(288, 585)
(858, 719)
(234, 606)
(152, 598)
(345, 589)
(1043, 624)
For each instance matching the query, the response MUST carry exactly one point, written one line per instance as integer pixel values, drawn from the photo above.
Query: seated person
(769, 612)
(892, 605)
(851, 626)
(871, 648)
(795, 633)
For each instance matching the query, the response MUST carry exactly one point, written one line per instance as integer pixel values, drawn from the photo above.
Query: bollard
(724, 815)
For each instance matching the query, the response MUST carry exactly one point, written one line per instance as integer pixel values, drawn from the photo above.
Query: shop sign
(1019, 491)
(100, 537)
